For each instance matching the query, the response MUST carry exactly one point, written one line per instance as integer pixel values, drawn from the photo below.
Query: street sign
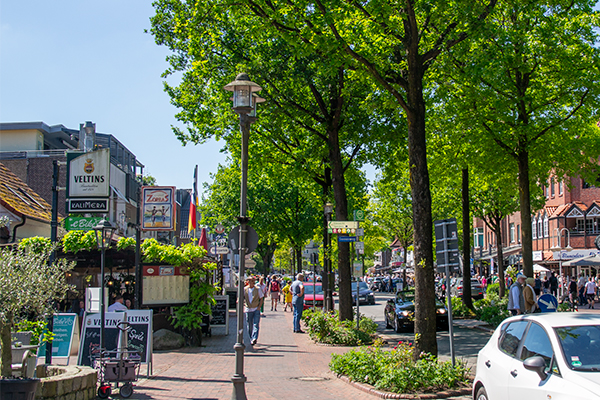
(346, 239)
(360, 232)
(81, 223)
(343, 231)
(359, 215)
(251, 239)
(88, 205)
(359, 245)
(342, 225)
(219, 229)
(218, 250)
(357, 269)
(446, 244)
(547, 303)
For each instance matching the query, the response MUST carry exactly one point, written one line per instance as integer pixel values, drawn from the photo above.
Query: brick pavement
(282, 364)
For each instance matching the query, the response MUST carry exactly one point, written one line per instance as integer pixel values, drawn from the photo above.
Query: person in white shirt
(253, 299)
(117, 305)
(590, 291)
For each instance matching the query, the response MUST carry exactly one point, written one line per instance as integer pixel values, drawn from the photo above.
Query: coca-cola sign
(158, 208)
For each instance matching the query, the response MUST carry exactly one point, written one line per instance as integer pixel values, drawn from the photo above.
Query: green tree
(529, 84)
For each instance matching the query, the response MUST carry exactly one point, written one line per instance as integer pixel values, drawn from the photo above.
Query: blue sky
(66, 62)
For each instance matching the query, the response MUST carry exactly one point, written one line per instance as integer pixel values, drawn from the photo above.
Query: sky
(67, 62)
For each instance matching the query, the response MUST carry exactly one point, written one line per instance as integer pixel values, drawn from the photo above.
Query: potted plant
(30, 286)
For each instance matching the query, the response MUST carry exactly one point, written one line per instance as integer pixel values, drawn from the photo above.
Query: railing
(11, 155)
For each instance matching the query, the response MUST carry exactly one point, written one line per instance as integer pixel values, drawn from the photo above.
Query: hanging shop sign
(158, 208)
(89, 174)
(81, 223)
(87, 205)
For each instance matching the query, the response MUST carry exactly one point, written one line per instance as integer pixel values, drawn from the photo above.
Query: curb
(388, 395)
(479, 327)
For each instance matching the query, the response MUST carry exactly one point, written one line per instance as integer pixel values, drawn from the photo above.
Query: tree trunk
(525, 200)
(5, 340)
(299, 259)
(499, 250)
(466, 225)
(341, 214)
(425, 318)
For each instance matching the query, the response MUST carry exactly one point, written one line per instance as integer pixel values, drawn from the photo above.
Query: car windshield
(405, 296)
(363, 286)
(308, 288)
(580, 346)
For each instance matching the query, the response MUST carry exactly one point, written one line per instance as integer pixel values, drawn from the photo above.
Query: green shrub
(460, 310)
(492, 309)
(395, 370)
(324, 327)
(493, 288)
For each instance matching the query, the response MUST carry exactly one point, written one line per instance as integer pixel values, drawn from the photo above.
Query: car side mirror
(536, 364)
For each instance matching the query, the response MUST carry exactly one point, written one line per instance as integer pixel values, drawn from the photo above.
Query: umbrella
(203, 240)
(539, 268)
(590, 261)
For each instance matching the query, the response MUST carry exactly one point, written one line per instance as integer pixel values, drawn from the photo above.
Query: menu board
(64, 326)
(139, 336)
(220, 313)
(90, 337)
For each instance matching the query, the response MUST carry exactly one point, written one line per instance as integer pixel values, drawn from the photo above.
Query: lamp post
(558, 247)
(87, 136)
(104, 232)
(244, 104)
(327, 210)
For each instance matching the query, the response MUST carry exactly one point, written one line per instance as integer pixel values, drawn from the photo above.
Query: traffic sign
(342, 225)
(360, 232)
(251, 239)
(219, 229)
(217, 250)
(359, 245)
(359, 215)
(547, 303)
(346, 239)
(357, 270)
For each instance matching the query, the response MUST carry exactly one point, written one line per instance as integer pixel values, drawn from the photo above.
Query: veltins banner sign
(89, 174)
(158, 208)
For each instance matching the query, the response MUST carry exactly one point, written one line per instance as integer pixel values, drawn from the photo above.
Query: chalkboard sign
(63, 329)
(232, 298)
(90, 337)
(220, 313)
(139, 337)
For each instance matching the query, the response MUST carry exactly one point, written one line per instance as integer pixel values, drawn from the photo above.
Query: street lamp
(244, 104)
(104, 232)
(327, 278)
(558, 248)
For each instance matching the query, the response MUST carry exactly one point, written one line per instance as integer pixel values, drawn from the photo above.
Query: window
(478, 237)
(552, 187)
(519, 233)
(509, 341)
(540, 228)
(512, 232)
(533, 229)
(546, 228)
(537, 343)
(560, 188)
(580, 225)
(592, 225)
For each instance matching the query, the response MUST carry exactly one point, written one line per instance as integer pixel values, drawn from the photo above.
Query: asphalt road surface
(467, 342)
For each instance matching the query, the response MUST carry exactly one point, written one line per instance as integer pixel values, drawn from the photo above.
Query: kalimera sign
(158, 208)
(89, 174)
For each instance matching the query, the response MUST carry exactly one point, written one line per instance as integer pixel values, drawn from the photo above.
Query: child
(287, 294)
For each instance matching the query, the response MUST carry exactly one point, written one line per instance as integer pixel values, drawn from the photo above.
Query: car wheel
(397, 325)
(481, 394)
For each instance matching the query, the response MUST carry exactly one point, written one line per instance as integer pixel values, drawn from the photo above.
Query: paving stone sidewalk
(281, 365)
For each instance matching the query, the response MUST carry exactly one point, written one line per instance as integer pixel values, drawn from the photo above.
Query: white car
(549, 356)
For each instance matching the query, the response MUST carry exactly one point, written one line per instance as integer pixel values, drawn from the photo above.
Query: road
(467, 342)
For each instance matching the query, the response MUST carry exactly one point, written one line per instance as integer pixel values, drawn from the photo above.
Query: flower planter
(18, 389)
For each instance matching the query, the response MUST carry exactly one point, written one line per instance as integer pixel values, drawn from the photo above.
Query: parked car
(399, 313)
(309, 295)
(456, 288)
(365, 294)
(541, 356)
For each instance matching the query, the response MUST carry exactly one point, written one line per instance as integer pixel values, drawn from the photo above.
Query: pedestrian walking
(581, 282)
(538, 285)
(553, 284)
(263, 287)
(590, 290)
(297, 290)
(529, 296)
(274, 291)
(287, 297)
(253, 298)
(516, 301)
